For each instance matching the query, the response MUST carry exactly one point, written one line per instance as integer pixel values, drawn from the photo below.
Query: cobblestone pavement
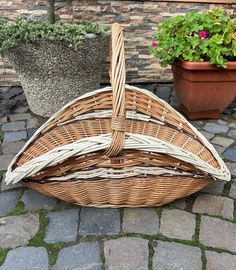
(41, 233)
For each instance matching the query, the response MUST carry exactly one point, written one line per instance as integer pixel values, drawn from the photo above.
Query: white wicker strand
(108, 114)
(121, 173)
(96, 143)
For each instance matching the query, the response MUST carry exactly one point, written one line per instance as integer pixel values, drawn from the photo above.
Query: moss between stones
(227, 187)
(37, 240)
(1, 173)
(53, 250)
(203, 259)
(121, 211)
(1, 136)
(234, 220)
(102, 255)
(197, 228)
(222, 156)
(19, 209)
(20, 206)
(159, 211)
(151, 245)
(218, 250)
(3, 254)
(181, 241)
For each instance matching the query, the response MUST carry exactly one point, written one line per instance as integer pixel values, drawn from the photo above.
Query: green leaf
(179, 38)
(31, 30)
(217, 39)
(234, 47)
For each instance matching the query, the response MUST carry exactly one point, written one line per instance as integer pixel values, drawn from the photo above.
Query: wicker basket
(117, 146)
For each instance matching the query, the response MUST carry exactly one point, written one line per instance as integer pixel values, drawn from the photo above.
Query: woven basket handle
(117, 77)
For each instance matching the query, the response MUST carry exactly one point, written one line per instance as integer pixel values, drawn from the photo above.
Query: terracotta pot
(204, 90)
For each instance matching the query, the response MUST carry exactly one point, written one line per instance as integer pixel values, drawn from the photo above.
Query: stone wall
(138, 17)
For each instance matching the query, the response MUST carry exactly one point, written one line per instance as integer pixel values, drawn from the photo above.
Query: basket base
(104, 193)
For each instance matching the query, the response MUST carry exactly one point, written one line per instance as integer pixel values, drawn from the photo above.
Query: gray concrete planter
(52, 73)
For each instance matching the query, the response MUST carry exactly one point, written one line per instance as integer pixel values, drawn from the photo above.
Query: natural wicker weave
(118, 146)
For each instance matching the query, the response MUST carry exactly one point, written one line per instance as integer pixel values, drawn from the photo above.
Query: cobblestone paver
(18, 230)
(26, 258)
(180, 203)
(177, 224)
(126, 253)
(218, 233)
(63, 226)
(214, 205)
(232, 133)
(14, 136)
(14, 126)
(230, 154)
(232, 168)
(141, 220)
(5, 161)
(39, 232)
(99, 221)
(4, 186)
(220, 140)
(215, 188)
(216, 128)
(81, 256)
(12, 147)
(232, 192)
(208, 135)
(220, 261)
(8, 201)
(176, 256)
(34, 200)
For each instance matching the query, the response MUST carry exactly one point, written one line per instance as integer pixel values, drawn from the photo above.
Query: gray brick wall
(138, 17)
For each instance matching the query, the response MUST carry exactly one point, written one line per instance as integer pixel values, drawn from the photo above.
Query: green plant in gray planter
(55, 62)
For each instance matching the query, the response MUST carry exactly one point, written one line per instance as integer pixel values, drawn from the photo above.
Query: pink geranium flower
(154, 44)
(203, 34)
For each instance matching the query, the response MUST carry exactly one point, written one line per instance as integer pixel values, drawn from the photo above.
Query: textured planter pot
(204, 90)
(52, 73)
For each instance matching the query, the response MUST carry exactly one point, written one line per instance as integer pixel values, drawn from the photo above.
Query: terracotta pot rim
(204, 65)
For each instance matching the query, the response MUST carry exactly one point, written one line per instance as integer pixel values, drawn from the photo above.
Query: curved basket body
(118, 146)
(164, 157)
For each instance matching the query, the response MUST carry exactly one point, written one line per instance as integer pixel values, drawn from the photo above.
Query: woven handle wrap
(117, 75)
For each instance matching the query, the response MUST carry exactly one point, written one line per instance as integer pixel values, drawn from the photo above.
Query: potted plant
(201, 47)
(55, 62)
